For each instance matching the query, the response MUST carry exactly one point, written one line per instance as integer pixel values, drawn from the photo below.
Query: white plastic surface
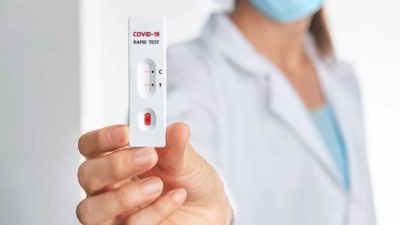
(147, 81)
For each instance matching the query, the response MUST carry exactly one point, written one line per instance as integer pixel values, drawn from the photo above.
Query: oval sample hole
(146, 119)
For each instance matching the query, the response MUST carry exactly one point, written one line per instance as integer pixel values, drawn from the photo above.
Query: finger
(158, 211)
(103, 140)
(174, 156)
(107, 206)
(96, 174)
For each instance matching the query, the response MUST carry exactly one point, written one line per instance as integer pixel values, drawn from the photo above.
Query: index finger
(103, 140)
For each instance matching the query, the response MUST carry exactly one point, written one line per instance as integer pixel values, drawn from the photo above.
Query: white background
(45, 102)
(39, 111)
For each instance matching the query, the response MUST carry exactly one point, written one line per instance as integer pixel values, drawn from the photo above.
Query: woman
(269, 107)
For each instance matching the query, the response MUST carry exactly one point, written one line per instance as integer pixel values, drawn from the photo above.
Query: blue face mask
(287, 10)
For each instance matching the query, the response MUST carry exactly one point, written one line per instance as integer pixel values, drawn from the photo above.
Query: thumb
(173, 156)
(180, 166)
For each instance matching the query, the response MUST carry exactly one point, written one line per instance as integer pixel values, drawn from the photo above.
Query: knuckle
(116, 165)
(84, 178)
(124, 198)
(161, 209)
(83, 175)
(80, 143)
(137, 220)
(83, 211)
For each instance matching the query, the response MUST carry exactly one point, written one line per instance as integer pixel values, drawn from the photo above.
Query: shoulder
(336, 68)
(346, 76)
(346, 73)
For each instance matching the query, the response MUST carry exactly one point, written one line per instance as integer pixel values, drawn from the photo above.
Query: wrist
(228, 220)
(224, 212)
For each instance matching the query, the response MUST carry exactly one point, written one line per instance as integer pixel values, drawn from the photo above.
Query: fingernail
(142, 157)
(179, 196)
(117, 135)
(150, 186)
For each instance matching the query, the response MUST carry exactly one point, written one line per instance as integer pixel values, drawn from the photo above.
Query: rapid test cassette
(147, 81)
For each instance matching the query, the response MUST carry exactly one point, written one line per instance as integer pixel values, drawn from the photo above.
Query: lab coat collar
(284, 102)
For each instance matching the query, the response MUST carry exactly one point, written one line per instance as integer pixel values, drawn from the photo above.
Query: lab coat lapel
(346, 107)
(287, 105)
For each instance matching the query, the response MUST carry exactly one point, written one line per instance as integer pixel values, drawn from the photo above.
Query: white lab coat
(248, 121)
